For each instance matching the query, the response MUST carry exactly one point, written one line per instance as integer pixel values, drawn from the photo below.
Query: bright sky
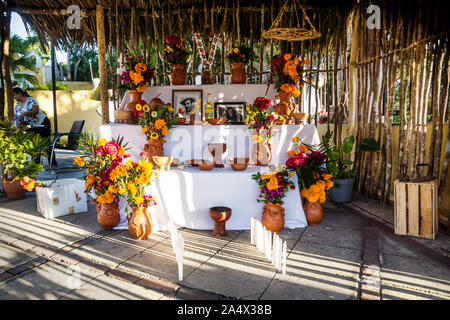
(18, 28)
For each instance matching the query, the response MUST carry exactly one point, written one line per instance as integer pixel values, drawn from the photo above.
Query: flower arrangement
(312, 179)
(136, 177)
(102, 161)
(156, 122)
(136, 74)
(240, 54)
(286, 69)
(259, 120)
(175, 52)
(274, 185)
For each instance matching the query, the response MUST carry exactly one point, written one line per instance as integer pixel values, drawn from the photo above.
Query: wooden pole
(101, 42)
(6, 68)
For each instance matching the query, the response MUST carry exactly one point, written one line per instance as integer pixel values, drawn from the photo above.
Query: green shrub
(49, 86)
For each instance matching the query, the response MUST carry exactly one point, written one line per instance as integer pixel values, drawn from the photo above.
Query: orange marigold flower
(292, 153)
(303, 149)
(287, 56)
(285, 87)
(79, 161)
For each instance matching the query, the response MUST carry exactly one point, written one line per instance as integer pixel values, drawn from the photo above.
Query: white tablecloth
(190, 142)
(185, 196)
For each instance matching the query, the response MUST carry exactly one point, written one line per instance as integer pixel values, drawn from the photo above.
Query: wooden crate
(416, 209)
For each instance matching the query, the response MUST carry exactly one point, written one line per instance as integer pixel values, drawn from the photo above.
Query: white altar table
(185, 196)
(187, 142)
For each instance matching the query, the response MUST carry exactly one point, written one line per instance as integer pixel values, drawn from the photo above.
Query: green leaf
(347, 144)
(370, 145)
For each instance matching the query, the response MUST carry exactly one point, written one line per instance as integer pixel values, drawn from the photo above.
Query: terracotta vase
(206, 77)
(178, 75)
(108, 215)
(13, 189)
(285, 107)
(135, 96)
(262, 153)
(154, 147)
(273, 217)
(238, 75)
(140, 224)
(220, 215)
(313, 212)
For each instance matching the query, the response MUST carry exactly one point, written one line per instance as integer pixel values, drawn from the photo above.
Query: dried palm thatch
(291, 33)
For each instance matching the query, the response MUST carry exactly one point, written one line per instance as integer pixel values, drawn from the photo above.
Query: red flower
(270, 119)
(148, 75)
(299, 160)
(317, 156)
(142, 102)
(112, 148)
(173, 40)
(261, 103)
(279, 176)
(101, 150)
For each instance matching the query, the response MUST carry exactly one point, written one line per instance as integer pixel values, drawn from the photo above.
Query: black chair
(73, 135)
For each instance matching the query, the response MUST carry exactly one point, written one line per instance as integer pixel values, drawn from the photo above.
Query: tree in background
(21, 60)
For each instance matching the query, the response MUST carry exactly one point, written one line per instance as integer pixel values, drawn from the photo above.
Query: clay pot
(262, 153)
(13, 189)
(108, 215)
(154, 147)
(285, 107)
(220, 215)
(140, 224)
(135, 96)
(238, 75)
(178, 75)
(206, 165)
(206, 77)
(313, 212)
(273, 217)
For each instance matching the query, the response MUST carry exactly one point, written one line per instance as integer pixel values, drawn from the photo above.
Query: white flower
(154, 114)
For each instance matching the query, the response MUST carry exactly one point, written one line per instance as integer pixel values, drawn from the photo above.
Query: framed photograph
(187, 100)
(233, 111)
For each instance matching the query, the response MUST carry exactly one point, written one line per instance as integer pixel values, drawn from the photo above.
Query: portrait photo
(233, 111)
(187, 100)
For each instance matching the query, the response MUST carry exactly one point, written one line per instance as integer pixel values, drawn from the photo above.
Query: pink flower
(299, 160)
(112, 148)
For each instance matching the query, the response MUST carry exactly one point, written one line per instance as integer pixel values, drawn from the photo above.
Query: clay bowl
(206, 165)
(175, 162)
(300, 115)
(239, 167)
(217, 122)
(163, 161)
(123, 114)
(194, 162)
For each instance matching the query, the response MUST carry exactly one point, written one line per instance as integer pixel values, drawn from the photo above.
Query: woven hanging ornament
(291, 34)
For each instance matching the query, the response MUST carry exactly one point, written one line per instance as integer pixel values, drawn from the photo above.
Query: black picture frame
(221, 111)
(178, 96)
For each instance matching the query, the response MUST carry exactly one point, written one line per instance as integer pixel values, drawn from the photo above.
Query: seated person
(28, 113)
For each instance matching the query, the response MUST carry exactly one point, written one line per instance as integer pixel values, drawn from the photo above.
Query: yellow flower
(291, 173)
(90, 179)
(154, 135)
(145, 130)
(138, 200)
(101, 142)
(285, 87)
(295, 139)
(121, 191)
(295, 93)
(129, 164)
(273, 183)
(267, 176)
(165, 131)
(146, 108)
(329, 184)
(326, 176)
(131, 186)
(292, 153)
(231, 51)
(236, 50)
(138, 107)
(121, 151)
(159, 124)
(113, 189)
(303, 149)
(79, 161)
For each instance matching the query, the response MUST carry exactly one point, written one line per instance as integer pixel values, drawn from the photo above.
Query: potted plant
(102, 161)
(273, 188)
(176, 55)
(18, 151)
(239, 56)
(156, 123)
(313, 179)
(133, 184)
(261, 124)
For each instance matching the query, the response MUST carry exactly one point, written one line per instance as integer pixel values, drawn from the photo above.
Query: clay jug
(313, 212)
(13, 189)
(238, 75)
(140, 224)
(273, 217)
(135, 96)
(108, 215)
(285, 107)
(154, 147)
(262, 153)
(178, 75)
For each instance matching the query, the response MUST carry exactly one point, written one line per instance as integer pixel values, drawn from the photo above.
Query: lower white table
(185, 196)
